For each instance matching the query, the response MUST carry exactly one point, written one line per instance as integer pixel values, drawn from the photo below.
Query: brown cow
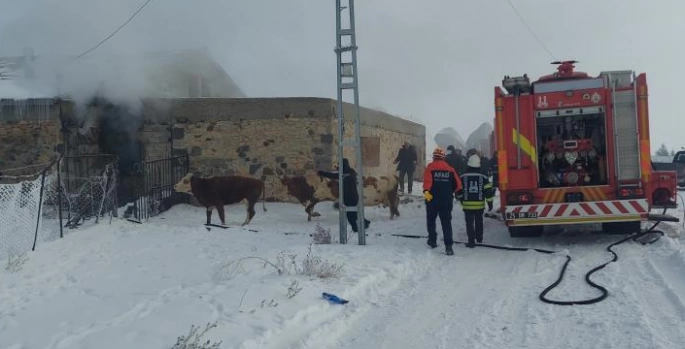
(377, 191)
(308, 190)
(312, 189)
(226, 190)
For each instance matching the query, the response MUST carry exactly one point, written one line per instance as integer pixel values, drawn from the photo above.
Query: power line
(531, 30)
(115, 31)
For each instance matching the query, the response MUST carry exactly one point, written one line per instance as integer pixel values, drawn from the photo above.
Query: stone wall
(263, 138)
(29, 132)
(258, 137)
(391, 132)
(254, 137)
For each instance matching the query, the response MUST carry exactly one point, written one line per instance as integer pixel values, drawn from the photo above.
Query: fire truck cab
(573, 148)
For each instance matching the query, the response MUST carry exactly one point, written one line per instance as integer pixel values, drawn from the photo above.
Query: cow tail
(264, 196)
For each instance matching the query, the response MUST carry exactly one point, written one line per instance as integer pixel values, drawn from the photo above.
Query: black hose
(635, 237)
(603, 290)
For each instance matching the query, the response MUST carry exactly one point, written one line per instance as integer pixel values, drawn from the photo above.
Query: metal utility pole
(346, 50)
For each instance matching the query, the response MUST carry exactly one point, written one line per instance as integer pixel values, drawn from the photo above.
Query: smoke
(121, 69)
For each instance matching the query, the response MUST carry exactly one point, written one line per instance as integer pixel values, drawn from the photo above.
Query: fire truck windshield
(572, 150)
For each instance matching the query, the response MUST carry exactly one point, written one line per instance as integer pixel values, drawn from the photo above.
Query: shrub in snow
(312, 265)
(192, 340)
(322, 235)
(271, 304)
(15, 261)
(294, 289)
(315, 266)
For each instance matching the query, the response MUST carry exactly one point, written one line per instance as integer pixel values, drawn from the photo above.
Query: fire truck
(573, 149)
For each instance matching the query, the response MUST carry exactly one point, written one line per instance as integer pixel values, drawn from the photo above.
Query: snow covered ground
(127, 285)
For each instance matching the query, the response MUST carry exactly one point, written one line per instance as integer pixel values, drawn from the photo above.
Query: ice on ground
(128, 285)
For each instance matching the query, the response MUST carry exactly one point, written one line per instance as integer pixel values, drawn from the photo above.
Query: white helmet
(474, 161)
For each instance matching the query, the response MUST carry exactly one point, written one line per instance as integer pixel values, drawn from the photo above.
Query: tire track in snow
(454, 307)
(140, 309)
(661, 309)
(323, 322)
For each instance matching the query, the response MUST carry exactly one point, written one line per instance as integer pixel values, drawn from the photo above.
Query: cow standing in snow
(312, 189)
(226, 190)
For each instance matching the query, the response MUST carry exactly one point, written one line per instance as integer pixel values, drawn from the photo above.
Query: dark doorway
(120, 136)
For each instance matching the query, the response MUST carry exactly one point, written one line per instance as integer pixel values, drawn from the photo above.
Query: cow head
(183, 186)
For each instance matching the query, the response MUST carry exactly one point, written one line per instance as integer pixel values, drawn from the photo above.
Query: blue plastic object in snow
(334, 299)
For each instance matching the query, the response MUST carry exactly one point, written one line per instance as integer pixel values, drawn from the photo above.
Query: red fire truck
(573, 148)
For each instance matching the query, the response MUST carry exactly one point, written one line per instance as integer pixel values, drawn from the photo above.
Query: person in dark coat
(455, 159)
(440, 184)
(350, 194)
(406, 164)
(476, 193)
(485, 166)
(472, 151)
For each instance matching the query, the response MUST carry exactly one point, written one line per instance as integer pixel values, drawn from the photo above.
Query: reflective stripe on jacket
(477, 190)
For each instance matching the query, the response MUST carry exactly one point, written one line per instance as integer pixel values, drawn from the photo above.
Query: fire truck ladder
(346, 50)
(626, 132)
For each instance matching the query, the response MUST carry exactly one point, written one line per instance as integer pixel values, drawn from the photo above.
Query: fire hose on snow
(604, 292)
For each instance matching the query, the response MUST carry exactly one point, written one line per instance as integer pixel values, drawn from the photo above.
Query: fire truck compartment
(572, 148)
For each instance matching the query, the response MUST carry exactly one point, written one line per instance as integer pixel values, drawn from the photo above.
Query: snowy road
(141, 286)
(471, 302)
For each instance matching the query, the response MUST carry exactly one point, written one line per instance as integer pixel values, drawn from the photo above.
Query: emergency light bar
(520, 83)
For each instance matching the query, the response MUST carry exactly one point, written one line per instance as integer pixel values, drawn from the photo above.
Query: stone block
(254, 168)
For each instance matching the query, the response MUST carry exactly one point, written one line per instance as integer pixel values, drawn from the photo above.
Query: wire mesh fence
(21, 200)
(38, 202)
(85, 189)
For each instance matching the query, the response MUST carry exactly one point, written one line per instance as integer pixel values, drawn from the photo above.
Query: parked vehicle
(572, 148)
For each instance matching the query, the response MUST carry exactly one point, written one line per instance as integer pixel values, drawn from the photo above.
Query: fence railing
(153, 187)
(87, 187)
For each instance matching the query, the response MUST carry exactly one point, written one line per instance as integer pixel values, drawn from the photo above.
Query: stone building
(29, 132)
(259, 137)
(291, 136)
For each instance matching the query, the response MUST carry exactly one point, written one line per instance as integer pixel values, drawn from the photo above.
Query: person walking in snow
(440, 183)
(455, 159)
(350, 194)
(406, 164)
(477, 191)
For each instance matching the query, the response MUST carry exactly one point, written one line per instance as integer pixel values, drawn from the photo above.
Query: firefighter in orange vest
(476, 193)
(440, 183)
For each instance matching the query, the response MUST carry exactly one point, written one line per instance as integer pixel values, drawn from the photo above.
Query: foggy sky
(436, 60)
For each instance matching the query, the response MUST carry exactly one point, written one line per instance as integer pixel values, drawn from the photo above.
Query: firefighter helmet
(438, 153)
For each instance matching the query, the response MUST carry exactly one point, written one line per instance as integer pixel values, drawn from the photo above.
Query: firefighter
(476, 193)
(440, 183)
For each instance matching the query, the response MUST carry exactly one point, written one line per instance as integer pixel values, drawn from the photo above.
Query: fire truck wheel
(621, 228)
(526, 232)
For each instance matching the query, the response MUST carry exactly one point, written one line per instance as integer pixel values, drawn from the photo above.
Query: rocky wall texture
(27, 143)
(391, 132)
(258, 147)
(264, 138)
(29, 132)
(156, 144)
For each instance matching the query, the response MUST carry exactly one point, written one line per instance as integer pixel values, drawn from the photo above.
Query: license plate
(521, 215)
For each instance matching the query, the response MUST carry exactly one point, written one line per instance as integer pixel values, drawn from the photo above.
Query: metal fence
(153, 187)
(86, 188)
